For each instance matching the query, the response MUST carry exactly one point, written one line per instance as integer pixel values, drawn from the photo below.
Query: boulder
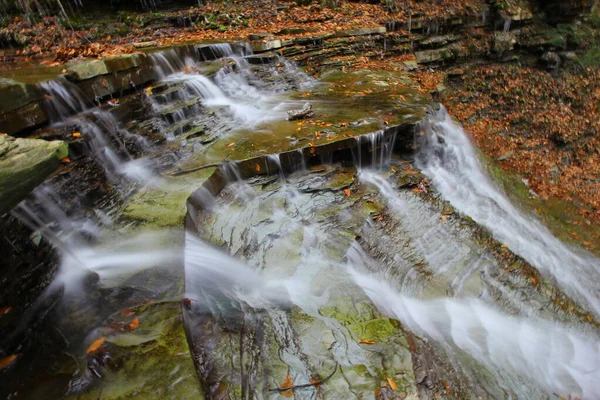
(24, 164)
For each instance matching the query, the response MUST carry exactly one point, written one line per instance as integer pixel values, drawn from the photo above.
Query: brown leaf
(127, 312)
(6, 361)
(5, 310)
(96, 344)
(365, 341)
(65, 160)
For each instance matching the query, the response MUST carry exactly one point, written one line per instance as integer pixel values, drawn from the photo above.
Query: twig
(305, 385)
(187, 171)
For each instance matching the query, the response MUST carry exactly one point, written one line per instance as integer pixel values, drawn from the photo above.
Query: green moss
(153, 361)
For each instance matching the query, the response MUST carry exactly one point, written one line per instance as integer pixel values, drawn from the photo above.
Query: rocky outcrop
(24, 164)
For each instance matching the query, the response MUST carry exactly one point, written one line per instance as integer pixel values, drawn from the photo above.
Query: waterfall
(449, 159)
(554, 358)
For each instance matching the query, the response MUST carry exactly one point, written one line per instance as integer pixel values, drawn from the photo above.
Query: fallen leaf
(533, 280)
(392, 384)
(230, 144)
(347, 192)
(315, 382)
(134, 324)
(287, 383)
(65, 160)
(364, 341)
(257, 167)
(127, 312)
(6, 361)
(504, 246)
(187, 303)
(96, 344)
(5, 310)
(444, 218)
(76, 134)
(149, 90)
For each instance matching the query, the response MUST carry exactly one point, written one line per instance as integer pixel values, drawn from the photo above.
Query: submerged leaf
(6, 361)
(95, 345)
(134, 324)
(392, 384)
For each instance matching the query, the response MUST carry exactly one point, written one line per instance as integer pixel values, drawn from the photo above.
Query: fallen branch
(189, 171)
(306, 385)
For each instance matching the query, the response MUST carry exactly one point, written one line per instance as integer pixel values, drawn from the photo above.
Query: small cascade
(379, 147)
(167, 63)
(520, 350)
(507, 23)
(276, 159)
(449, 159)
(63, 99)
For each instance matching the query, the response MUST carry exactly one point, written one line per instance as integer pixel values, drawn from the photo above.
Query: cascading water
(294, 236)
(556, 359)
(448, 158)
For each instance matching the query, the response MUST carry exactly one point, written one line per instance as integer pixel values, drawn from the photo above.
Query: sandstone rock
(15, 94)
(24, 164)
(263, 58)
(23, 118)
(551, 59)
(504, 41)
(362, 31)
(265, 45)
(86, 70)
(431, 56)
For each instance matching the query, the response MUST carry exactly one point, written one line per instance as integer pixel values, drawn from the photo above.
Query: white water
(449, 159)
(555, 359)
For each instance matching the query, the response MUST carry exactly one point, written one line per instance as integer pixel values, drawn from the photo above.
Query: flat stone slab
(362, 31)
(24, 164)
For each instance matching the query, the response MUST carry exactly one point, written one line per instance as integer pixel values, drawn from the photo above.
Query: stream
(209, 248)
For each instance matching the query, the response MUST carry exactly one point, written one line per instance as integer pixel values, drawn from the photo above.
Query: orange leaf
(364, 341)
(5, 310)
(504, 246)
(230, 144)
(76, 134)
(347, 192)
(444, 218)
(533, 280)
(392, 384)
(6, 361)
(134, 324)
(287, 383)
(127, 312)
(95, 345)
(65, 160)
(257, 167)
(315, 382)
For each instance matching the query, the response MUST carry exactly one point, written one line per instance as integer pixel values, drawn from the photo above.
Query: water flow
(554, 358)
(63, 99)
(448, 158)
